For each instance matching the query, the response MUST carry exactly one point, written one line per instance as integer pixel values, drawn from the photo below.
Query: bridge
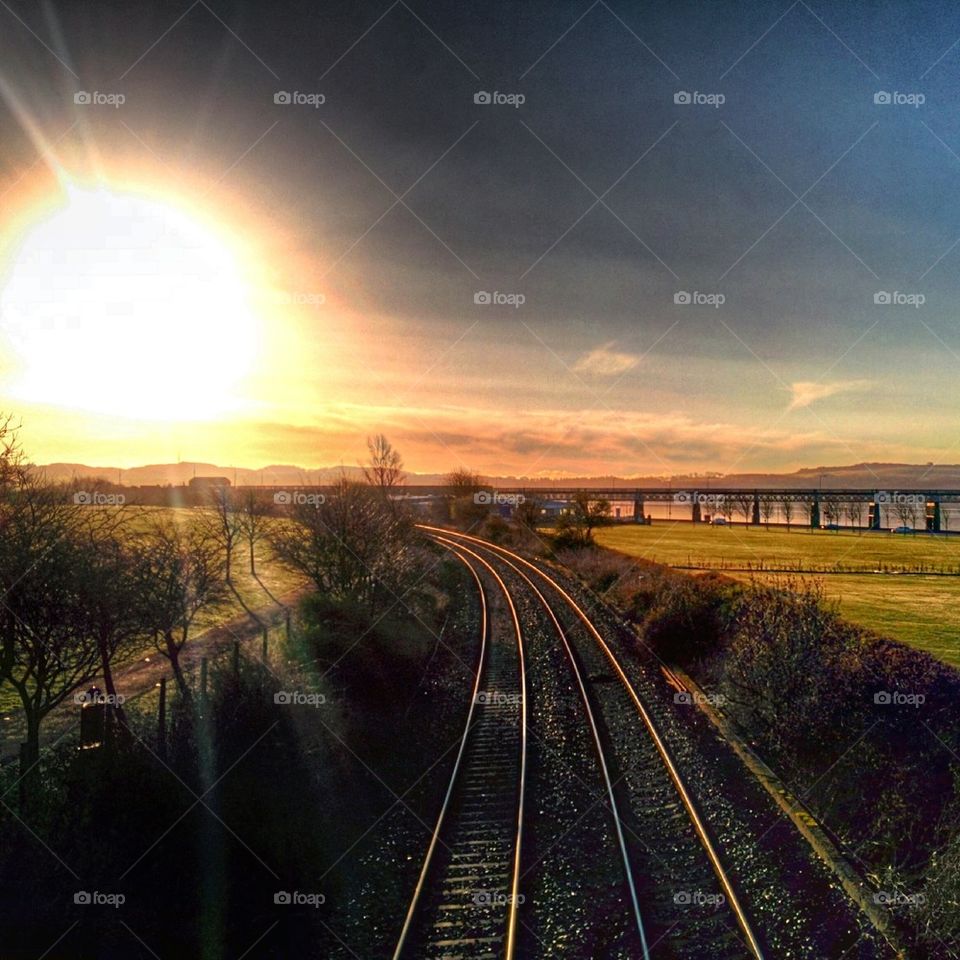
(857, 507)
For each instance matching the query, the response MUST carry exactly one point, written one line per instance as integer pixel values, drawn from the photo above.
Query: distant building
(206, 483)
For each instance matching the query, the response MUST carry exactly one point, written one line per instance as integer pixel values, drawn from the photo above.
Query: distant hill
(867, 475)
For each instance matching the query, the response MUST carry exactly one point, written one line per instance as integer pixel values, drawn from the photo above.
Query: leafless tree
(47, 649)
(349, 543)
(384, 468)
(223, 523)
(12, 468)
(179, 573)
(463, 480)
(108, 595)
(586, 514)
(744, 503)
(786, 508)
(831, 511)
(468, 508)
(907, 511)
(528, 514)
(255, 512)
(854, 512)
(767, 506)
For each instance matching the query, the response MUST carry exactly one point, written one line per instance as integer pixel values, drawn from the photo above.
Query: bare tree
(744, 502)
(767, 506)
(464, 480)
(255, 511)
(906, 509)
(528, 513)
(786, 507)
(586, 514)
(108, 597)
(832, 511)
(469, 507)
(47, 649)
(12, 468)
(854, 512)
(384, 469)
(179, 574)
(223, 523)
(350, 544)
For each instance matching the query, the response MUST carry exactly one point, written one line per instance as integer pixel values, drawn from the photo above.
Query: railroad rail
(696, 819)
(467, 896)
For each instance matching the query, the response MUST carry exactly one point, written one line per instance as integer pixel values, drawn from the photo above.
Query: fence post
(162, 720)
(266, 642)
(236, 659)
(288, 623)
(24, 767)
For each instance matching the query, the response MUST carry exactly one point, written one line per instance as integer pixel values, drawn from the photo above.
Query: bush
(684, 621)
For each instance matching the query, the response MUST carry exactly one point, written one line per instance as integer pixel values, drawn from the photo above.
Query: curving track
(649, 827)
(466, 899)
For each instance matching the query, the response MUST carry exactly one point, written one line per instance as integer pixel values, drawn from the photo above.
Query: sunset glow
(121, 303)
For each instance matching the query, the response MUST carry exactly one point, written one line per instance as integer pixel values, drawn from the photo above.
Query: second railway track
(678, 899)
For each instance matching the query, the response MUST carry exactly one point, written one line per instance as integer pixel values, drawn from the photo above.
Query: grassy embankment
(911, 599)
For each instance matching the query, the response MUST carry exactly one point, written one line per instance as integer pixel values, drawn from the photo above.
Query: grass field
(922, 610)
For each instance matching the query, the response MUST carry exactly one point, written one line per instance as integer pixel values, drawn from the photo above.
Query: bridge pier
(874, 520)
(934, 518)
(755, 519)
(638, 508)
(815, 513)
(697, 517)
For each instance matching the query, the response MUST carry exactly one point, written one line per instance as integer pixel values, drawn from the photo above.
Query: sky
(529, 239)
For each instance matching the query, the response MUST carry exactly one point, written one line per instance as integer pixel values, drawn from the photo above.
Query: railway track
(655, 785)
(467, 896)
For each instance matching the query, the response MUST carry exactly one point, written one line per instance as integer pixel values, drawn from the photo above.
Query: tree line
(87, 589)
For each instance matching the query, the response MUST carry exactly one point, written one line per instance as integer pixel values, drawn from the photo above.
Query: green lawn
(923, 611)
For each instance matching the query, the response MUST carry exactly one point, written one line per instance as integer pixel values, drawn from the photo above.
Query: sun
(123, 303)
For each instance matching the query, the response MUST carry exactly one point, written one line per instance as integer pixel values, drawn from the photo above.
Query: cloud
(605, 361)
(806, 392)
